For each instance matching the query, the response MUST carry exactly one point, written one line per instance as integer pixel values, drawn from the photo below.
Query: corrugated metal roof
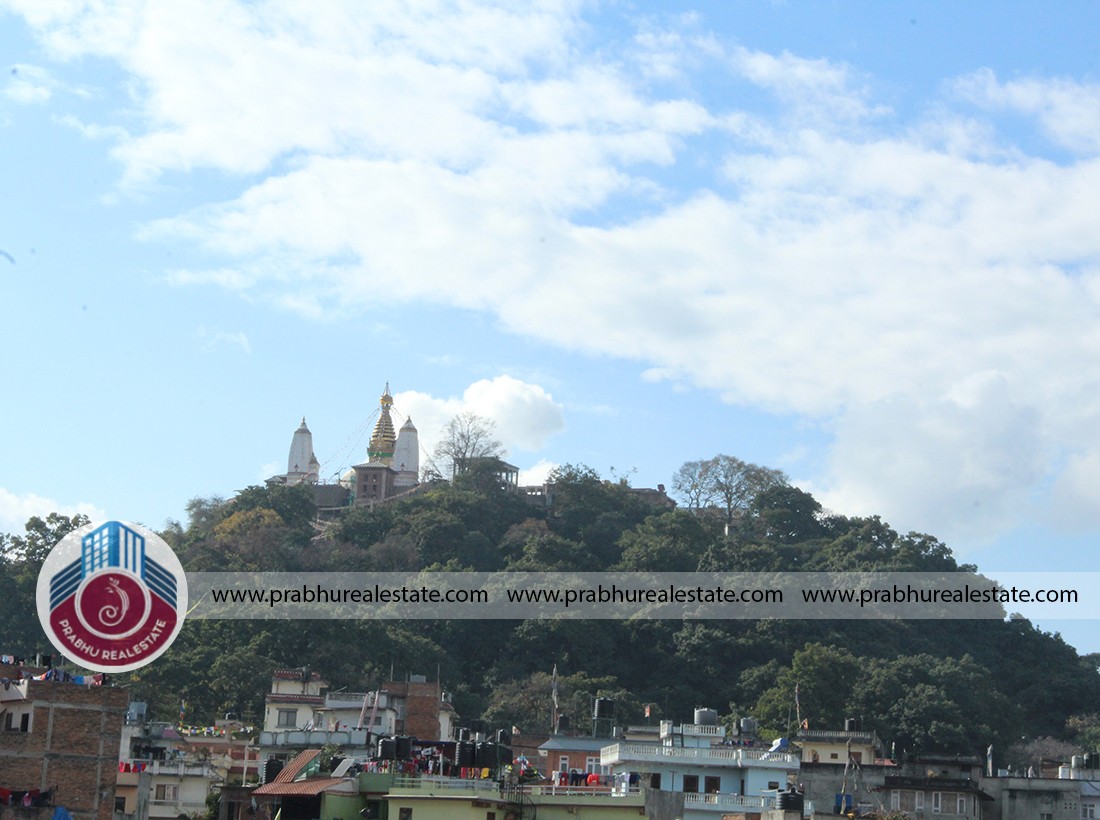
(296, 766)
(302, 788)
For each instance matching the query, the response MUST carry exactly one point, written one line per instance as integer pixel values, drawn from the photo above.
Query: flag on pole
(554, 687)
(648, 706)
(989, 761)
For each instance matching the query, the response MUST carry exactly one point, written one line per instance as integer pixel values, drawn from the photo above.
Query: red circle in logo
(112, 604)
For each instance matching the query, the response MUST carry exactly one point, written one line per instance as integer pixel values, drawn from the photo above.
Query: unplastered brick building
(60, 740)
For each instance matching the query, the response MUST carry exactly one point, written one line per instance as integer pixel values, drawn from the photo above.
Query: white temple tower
(302, 465)
(406, 456)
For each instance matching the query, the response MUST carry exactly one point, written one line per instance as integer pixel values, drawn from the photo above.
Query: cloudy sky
(855, 241)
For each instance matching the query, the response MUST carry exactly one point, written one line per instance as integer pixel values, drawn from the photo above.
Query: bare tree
(724, 481)
(467, 436)
(692, 483)
(736, 483)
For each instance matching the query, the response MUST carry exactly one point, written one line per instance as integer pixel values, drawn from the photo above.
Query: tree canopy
(930, 686)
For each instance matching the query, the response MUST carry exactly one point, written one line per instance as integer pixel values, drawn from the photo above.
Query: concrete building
(302, 713)
(61, 738)
(1022, 798)
(714, 776)
(295, 696)
(457, 799)
(824, 746)
(947, 785)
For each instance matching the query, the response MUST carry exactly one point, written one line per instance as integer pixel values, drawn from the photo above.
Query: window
(712, 785)
(120, 805)
(655, 780)
(592, 764)
(1088, 811)
(691, 784)
(167, 793)
(1046, 816)
(563, 763)
(405, 814)
(17, 723)
(960, 804)
(936, 802)
(773, 785)
(288, 717)
(918, 802)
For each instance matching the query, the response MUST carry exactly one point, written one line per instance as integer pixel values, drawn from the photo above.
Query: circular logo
(112, 596)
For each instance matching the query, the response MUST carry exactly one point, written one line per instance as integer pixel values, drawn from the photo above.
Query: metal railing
(716, 755)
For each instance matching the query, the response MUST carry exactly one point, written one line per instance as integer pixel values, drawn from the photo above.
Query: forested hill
(927, 686)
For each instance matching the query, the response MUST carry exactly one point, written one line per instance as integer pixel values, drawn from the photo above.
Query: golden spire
(384, 437)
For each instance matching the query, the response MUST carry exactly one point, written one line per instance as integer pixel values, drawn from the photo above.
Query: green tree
(21, 559)
(786, 515)
(673, 542)
(821, 678)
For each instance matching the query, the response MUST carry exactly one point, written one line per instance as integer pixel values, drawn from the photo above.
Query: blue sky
(855, 241)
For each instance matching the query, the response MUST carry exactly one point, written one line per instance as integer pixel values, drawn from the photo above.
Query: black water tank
(563, 723)
(503, 737)
(603, 709)
(464, 753)
(851, 725)
(462, 733)
(789, 801)
(486, 755)
(387, 748)
(404, 748)
(272, 767)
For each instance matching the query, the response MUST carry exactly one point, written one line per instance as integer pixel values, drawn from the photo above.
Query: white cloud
(1067, 111)
(213, 340)
(928, 288)
(537, 473)
(525, 416)
(969, 466)
(16, 510)
(29, 84)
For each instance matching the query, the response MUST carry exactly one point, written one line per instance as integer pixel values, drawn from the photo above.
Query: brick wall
(72, 747)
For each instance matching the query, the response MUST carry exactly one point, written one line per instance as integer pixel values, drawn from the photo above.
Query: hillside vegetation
(928, 686)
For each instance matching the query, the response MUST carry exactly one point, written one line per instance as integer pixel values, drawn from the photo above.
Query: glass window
(167, 793)
(691, 784)
(288, 717)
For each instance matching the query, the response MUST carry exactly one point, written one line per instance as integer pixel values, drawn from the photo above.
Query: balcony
(730, 758)
(178, 768)
(729, 802)
(540, 795)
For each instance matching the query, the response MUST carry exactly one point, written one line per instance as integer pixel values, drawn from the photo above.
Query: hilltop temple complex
(392, 466)
(392, 469)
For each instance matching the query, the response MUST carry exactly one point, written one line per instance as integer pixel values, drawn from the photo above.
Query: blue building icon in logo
(113, 545)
